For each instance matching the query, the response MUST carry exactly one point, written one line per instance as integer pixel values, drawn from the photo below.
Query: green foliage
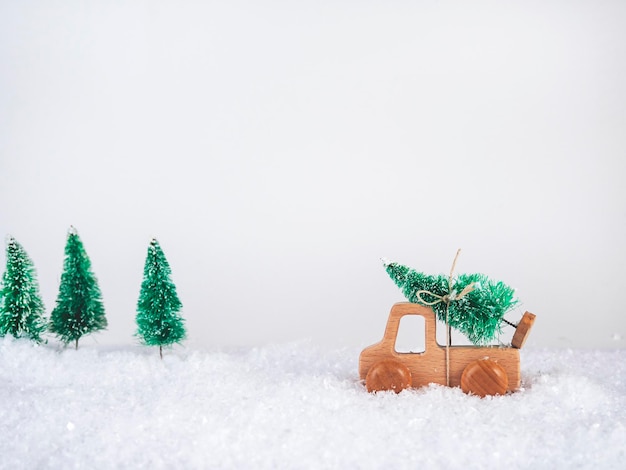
(21, 307)
(158, 321)
(477, 315)
(79, 309)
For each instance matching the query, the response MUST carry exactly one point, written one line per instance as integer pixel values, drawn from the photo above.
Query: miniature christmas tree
(79, 309)
(158, 321)
(472, 303)
(21, 307)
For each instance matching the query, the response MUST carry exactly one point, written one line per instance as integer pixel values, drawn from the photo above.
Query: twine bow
(447, 298)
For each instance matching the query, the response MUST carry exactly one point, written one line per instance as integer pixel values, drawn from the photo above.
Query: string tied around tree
(447, 298)
(451, 296)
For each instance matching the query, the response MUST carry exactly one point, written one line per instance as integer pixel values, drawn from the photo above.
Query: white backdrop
(278, 149)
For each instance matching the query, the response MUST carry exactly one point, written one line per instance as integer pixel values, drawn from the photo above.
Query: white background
(278, 149)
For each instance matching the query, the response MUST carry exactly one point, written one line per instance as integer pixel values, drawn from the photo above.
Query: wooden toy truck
(486, 370)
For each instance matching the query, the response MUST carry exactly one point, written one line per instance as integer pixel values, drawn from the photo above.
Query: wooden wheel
(484, 377)
(388, 374)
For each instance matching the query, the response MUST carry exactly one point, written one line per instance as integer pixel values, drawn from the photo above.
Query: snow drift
(297, 406)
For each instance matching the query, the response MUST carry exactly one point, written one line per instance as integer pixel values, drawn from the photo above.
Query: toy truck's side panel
(430, 365)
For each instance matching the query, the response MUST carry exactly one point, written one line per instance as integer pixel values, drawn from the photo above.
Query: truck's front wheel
(388, 374)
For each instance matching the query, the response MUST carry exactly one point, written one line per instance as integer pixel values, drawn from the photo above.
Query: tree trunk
(509, 323)
(76, 344)
(161, 351)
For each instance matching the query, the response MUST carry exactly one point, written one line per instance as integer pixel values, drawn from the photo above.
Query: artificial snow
(297, 406)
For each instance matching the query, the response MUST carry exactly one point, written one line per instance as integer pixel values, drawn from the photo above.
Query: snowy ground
(297, 406)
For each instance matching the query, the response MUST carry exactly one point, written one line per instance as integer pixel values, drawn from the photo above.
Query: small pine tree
(21, 307)
(158, 321)
(477, 315)
(79, 309)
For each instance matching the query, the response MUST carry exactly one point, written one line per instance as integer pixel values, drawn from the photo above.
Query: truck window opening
(411, 335)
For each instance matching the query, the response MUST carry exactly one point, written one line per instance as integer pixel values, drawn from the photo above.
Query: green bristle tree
(21, 307)
(158, 321)
(477, 314)
(79, 309)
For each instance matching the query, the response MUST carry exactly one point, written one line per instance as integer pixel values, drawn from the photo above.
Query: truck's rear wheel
(388, 374)
(484, 377)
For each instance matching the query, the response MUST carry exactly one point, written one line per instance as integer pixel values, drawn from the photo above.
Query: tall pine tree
(21, 307)
(158, 321)
(79, 309)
